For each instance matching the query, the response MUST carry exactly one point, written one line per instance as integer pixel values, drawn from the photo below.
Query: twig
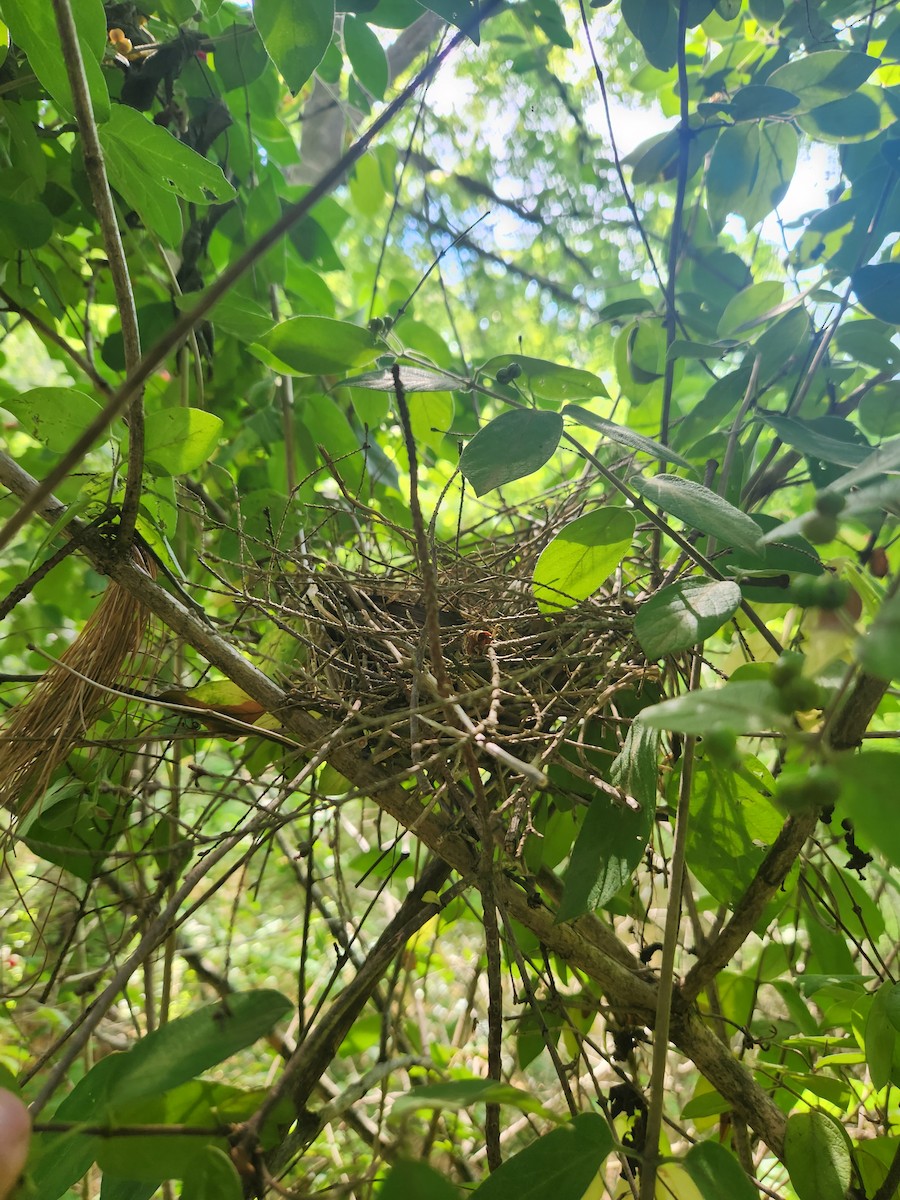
(95, 169)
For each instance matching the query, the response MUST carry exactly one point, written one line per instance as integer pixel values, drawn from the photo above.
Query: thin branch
(95, 169)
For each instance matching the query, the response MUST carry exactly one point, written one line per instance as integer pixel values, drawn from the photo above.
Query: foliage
(462, 780)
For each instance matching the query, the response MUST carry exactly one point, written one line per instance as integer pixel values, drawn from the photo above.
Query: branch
(95, 169)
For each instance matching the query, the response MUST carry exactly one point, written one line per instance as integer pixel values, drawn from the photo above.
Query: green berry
(830, 504)
(720, 746)
(819, 591)
(809, 790)
(799, 695)
(819, 528)
(788, 667)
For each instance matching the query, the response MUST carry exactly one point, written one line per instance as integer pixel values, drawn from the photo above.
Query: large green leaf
(550, 381)
(582, 557)
(369, 62)
(413, 378)
(817, 1155)
(312, 345)
(55, 416)
(33, 27)
(750, 171)
(296, 36)
(866, 779)
(623, 436)
(805, 437)
(415, 1180)
(558, 1166)
(614, 835)
(212, 1177)
(150, 168)
(877, 288)
(461, 13)
(717, 1173)
(511, 446)
(684, 614)
(881, 1034)
(702, 509)
(823, 76)
(745, 706)
(878, 651)
(178, 440)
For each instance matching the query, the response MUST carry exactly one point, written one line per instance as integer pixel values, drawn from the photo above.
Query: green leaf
(461, 1093)
(881, 1034)
(33, 28)
(702, 509)
(369, 62)
(23, 226)
(748, 306)
(747, 706)
(511, 446)
(866, 779)
(582, 557)
(317, 346)
(548, 380)
(213, 1177)
(855, 118)
(817, 1152)
(733, 822)
(178, 440)
(655, 25)
(149, 168)
(806, 438)
(877, 288)
(717, 1173)
(558, 1166)
(461, 13)
(624, 436)
(295, 36)
(823, 76)
(415, 1180)
(750, 171)
(614, 835)
(54, 416)
(878, 651)
(755, 101)
(685, 614)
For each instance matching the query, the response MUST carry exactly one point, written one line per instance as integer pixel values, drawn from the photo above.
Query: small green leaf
(23, 226)
(548, 380)
(823, 76)
(582, 557)
(461, 1093)
(624, 436)
(369, 62)
(312, 345)
(877, 288)
(178, 440)
(295, 36)
(613, 837)
(409, 1180)
(817, 1153)
(558, 1166)
(702, 509)
(54, 416)
(743, 707)
(717, 1173)
(213, 1177)
(511, 446)
(684, 615)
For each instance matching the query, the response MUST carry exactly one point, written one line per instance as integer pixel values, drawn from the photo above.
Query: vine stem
(223, 283)
(98, 180)
(666, 986)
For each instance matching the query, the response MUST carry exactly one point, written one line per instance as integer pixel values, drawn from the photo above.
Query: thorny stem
(95, 169)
